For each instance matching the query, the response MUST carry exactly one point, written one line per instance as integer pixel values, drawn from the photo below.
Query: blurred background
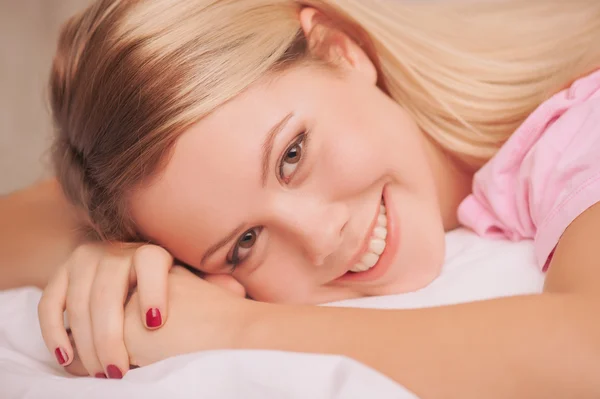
(28, 35)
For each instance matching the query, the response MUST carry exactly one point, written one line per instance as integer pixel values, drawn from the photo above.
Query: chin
(416, 279)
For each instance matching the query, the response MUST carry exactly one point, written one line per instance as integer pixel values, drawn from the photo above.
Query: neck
(453, 180)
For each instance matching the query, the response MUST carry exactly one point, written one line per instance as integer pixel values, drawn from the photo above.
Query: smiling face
(311, 186)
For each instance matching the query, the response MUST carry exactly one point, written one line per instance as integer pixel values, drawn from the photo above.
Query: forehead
(212, 181)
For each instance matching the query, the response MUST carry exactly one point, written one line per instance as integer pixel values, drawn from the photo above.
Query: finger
(76, 367)
(227, 282)
(82, 274)
(107, 301)
(51, 310)
(182, 271)
(152, 265)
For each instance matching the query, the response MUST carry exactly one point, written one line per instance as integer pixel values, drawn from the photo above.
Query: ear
(227, 282)
(334, 45)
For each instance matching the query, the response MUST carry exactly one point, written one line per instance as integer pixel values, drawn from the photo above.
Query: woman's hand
(92, 286)
(202, 316)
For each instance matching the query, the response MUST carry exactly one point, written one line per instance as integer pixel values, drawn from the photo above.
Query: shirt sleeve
(571, 181)
(545, 177)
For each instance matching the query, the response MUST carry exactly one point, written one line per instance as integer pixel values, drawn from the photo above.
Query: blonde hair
(130, 76)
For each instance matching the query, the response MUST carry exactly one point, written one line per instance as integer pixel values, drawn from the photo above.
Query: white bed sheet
(475, 269)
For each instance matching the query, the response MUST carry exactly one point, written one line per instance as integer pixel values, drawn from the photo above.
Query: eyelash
(233, 261)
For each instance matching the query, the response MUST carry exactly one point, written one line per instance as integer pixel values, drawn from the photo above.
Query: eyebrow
(267, 149)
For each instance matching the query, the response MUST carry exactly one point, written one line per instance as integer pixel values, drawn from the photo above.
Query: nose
(317, 225)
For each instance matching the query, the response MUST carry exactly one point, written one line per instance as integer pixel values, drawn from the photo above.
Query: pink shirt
(546, 174)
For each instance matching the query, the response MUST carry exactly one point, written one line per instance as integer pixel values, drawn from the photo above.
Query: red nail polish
(100, 375)
(114, 372)
(61, 356)
(153, 318)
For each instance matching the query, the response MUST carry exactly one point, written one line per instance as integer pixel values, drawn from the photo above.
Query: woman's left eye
(243, 247)
(291, 159)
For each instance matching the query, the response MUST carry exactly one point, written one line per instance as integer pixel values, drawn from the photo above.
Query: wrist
(251, 323)
(268, 327)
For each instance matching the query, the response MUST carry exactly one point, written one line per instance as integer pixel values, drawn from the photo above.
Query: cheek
(370, 145)
(351, 163)
(280, 279)
(352, 152)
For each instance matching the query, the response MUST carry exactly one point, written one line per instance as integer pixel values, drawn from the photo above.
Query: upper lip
(362, 249)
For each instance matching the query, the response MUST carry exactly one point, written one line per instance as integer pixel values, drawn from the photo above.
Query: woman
(301, 152)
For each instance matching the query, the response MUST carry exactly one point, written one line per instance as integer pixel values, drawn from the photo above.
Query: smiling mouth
(376, 245)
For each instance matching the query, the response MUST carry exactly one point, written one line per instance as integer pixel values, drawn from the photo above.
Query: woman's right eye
(243, 247)
(291, 159)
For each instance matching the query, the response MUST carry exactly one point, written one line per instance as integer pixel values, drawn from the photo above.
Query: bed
(475, 269)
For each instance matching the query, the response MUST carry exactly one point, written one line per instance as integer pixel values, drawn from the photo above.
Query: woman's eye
(291, 159)
(247, 240)
(243, 247)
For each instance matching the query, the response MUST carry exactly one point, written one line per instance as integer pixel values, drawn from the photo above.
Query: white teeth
(359, 267)
(380, 232)
(377, 246)
(369, 259)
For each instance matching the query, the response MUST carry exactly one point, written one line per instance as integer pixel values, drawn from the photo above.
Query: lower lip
(386, 258)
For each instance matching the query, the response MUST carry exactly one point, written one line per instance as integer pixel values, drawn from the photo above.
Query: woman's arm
(521, 347)
(524, 347)
(38, 232)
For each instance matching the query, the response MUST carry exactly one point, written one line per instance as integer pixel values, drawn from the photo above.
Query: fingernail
(153, 318)
(61, 356)
(100, 375)
(114, 372)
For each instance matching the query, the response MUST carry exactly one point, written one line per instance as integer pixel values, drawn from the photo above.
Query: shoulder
(546, 174)
(555, 122)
